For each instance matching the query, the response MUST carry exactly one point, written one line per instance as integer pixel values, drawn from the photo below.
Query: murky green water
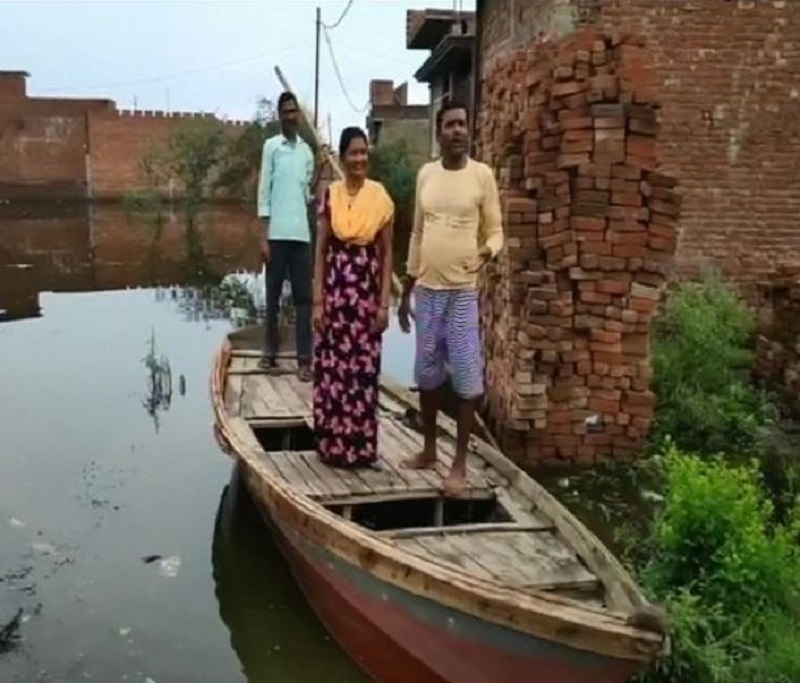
(107, 460)
(99, 471)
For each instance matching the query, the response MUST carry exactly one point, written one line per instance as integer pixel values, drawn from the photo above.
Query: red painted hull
(393, 645)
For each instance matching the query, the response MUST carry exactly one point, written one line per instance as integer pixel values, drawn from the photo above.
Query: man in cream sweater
(457, 230)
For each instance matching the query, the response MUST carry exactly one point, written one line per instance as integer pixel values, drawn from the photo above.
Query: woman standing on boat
(352, 279)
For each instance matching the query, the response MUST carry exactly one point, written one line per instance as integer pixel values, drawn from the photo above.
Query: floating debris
(10, 634)
(44, 548)
(16, 523)
(170, 566)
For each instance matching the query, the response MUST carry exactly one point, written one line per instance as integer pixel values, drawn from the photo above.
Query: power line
(180, 74)
(377, 55)
(341, 16)
(354, 107)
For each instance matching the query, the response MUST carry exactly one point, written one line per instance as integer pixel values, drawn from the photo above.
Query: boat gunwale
(544, 615)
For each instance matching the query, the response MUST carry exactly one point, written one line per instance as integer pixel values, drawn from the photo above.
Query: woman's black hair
(348, 135)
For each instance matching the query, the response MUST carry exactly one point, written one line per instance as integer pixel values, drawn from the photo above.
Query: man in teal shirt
(284, 193)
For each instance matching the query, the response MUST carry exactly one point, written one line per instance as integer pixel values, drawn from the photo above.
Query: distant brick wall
(43, 144)
(119, 142)
(728, 75)
(54, 147)
(12, 84)
(43, 150)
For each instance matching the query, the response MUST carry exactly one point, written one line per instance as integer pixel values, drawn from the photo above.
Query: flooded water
(124, 538)
(120, 539)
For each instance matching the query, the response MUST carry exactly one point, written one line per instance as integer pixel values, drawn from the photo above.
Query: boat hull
(399, 637)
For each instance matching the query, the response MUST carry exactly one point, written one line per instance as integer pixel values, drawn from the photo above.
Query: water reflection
(105, 247)
(108, 457)
(159, 382)
(262, 607)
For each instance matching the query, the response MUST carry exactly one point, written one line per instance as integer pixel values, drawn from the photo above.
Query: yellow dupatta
(359, 219)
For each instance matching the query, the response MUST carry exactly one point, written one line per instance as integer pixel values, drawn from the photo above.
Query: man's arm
(265, 181)
(491, 214)
(415, 240)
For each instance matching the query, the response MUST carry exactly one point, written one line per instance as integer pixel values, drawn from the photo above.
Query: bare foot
(455, 482)
(421, 461)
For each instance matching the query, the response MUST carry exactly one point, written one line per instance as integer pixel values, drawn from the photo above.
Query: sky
(192, 55)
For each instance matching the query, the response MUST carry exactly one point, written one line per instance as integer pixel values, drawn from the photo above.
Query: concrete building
(391, 117)
(449, 35)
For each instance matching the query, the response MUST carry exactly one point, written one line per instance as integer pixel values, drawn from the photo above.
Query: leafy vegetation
(722, 553)
(727, 572)
(392, 164)
(709, 522)
(702, 359)
(204, 160)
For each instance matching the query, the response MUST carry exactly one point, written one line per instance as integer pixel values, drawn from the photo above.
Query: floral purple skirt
(347, 357)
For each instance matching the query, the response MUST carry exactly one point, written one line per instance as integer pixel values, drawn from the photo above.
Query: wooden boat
(501, 585)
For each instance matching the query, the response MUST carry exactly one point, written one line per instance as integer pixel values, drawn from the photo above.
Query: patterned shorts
(448, 334)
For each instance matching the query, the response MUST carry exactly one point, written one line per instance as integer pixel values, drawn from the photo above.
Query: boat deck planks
(530, 557)
(527, 560)
(509, 553)
(265, 400)
(527, 554)
(306, 474)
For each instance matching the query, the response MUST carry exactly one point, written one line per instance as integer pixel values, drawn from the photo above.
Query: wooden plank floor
(524, 552)
(279, 400)
(523, 559)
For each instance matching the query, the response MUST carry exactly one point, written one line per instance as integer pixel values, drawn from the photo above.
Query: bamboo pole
(396, 286)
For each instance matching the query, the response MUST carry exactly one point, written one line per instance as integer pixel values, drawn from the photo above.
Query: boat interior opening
(297, 437)
(423, 513)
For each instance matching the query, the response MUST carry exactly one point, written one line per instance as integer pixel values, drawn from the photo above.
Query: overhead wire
(337, 71)
(180, 74)
(341, 17)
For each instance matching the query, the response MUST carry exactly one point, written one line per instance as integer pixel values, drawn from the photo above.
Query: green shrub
(391, 164)
(728, 575)
(702, 357)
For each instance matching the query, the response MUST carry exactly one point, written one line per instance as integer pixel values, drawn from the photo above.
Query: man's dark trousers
(292, 259)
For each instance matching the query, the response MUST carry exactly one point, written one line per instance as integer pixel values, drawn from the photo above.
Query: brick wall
(42, 142)
(55, 147)
(12, 84)
(570, 128)
(728, 76)
(45, 152)
(118, 142)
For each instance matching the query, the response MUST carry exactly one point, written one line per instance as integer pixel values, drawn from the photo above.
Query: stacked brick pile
(570, 128)
(777, 363)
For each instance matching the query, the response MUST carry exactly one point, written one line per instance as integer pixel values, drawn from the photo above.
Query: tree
(391, 164)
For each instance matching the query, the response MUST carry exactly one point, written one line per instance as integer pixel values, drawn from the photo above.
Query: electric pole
(316, 69)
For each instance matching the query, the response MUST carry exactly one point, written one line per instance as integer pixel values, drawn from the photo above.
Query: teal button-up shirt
(284, 187)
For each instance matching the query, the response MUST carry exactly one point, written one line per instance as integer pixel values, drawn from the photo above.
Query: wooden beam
(454, 529)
